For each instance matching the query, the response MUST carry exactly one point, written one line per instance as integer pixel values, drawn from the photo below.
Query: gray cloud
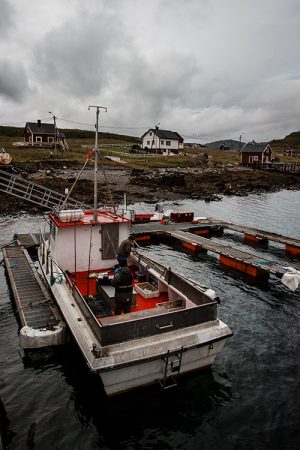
(6, 17)
(204, 68)
(13, 80)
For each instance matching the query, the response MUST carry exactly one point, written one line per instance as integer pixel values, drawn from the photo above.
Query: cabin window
(38, 139)
(50, 139)
(110, 240)
(168, 143)
(255, 158)
(162, 142)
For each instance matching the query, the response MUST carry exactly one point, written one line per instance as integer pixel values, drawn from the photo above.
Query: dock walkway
(259, 234)
(31, 296)
(188, 234)
(229, 256)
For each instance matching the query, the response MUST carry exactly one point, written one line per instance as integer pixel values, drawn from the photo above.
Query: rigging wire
(107, 186)
(73, 185)
(89, 265)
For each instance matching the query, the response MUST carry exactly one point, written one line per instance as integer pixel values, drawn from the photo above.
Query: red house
(38, 134)
(253, 153)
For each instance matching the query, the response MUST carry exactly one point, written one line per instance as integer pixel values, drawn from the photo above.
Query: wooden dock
(191, 235)
(31, 297)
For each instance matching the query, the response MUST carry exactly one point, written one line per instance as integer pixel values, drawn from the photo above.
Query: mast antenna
(96, 156)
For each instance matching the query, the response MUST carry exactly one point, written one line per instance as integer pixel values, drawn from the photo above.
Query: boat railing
(87, 312)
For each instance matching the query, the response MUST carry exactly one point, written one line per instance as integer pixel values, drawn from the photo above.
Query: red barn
(253, 153)
(38, 134)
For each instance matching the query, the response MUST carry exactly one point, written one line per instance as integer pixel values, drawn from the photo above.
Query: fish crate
(146, 290)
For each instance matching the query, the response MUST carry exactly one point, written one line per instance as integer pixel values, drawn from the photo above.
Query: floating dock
(39, 319)
(191, 235)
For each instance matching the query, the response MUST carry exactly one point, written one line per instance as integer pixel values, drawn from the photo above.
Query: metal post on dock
(96, 156)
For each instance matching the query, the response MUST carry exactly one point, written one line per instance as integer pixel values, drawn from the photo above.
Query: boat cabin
(79, 243)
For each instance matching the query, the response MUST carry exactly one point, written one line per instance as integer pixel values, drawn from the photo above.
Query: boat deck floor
(87, 288)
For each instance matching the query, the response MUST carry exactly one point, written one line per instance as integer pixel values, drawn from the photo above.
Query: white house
(162, 142)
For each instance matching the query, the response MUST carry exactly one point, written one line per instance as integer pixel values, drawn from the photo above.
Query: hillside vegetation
(119, 146)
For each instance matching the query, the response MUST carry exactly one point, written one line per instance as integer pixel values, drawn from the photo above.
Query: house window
(38, 139)
(162, 142)
(255, 158)
(150, 133)
(168, 143)
(148, 142)
(50, 139)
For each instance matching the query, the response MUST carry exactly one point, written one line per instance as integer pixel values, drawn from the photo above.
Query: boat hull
(142, 374)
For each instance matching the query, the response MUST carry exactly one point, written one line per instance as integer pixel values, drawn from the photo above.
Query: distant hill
(17, 132)
(291, 140)
(226, 144)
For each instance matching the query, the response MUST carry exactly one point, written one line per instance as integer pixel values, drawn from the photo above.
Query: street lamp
(241, 140)
(55, 132)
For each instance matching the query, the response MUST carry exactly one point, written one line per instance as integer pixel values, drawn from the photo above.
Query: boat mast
(96, 156)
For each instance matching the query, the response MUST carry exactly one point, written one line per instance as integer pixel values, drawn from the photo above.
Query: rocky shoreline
(153, 185)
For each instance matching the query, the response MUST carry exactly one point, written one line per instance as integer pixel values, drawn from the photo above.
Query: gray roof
(44, 128)
(165, 134)
(253, 147)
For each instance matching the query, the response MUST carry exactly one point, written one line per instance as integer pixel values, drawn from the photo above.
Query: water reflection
(129, 417)
(6, 434)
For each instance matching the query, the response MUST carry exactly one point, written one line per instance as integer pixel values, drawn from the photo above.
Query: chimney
(39, 123)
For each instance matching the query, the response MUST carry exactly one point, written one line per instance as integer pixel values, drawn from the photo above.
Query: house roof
(44, 128)
(253, 147)
(165, 134)
(47, 128)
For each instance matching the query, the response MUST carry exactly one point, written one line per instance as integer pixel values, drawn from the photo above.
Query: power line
(103, 126)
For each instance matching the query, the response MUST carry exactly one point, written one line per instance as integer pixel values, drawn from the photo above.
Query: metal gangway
(19, 187)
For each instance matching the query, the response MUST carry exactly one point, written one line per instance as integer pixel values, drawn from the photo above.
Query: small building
(254, 154)
(162, 142)
(288, 151)
(38, 134)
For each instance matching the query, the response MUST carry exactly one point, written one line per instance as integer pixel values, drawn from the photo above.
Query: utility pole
(157, 127)
(241, 142)
(96, 157)
(55, 133)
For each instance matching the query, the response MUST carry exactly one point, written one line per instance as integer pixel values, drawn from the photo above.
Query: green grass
(78, 148)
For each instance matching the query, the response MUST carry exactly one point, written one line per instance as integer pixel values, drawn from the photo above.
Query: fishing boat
(172, 327)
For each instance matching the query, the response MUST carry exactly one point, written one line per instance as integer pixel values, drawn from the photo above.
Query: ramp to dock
(32, 298)
(39, 195)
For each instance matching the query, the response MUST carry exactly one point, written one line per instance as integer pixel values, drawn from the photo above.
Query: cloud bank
(209, 70)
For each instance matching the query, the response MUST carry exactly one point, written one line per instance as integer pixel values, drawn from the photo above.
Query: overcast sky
(208, 69)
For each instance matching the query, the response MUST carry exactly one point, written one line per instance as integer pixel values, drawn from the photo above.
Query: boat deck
(88, 288)
(31, 297)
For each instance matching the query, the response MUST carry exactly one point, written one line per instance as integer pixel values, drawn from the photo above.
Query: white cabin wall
(63, 248)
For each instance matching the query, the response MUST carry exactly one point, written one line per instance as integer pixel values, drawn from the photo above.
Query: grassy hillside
(119, 145)
(292, 140)
(17, 132)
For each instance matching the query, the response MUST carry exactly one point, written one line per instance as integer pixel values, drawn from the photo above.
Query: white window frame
(168, 143)
(38, 139)
(255, 158)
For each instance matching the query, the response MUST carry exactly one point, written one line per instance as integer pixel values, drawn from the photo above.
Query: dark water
(249, 400)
